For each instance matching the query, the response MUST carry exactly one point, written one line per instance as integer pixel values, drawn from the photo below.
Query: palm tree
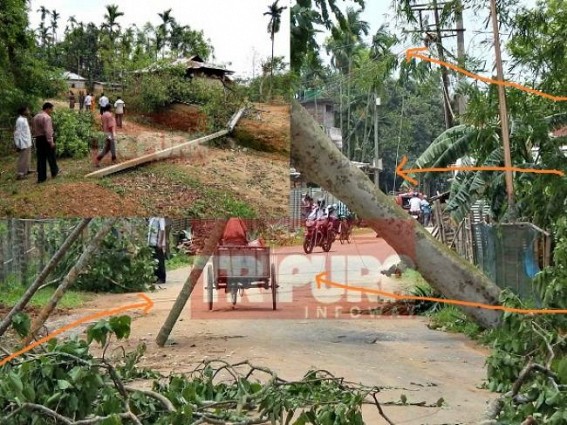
(164, 28)
(43, 31)
(54, 24)
(72, 23)
(345, 44)
(111, 16)
(275, 14)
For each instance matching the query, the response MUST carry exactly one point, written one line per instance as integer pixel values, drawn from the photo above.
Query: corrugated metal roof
(72, 76)
(193, 62)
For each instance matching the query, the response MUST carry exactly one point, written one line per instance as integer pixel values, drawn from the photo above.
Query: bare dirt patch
(265, 128)
(74, 200)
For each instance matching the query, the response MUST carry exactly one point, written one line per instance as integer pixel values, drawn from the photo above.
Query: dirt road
(386, 351)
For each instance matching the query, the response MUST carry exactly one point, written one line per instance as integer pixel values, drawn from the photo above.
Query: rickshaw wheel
(210, 285)
(233, 295)
(274, 285)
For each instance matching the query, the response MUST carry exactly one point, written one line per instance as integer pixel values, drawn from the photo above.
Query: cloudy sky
(237, 29)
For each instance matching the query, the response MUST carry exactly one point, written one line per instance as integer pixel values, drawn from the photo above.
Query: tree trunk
(41, 246)
(272, 69)
(322, 163)
(189, 285)
(32, 289)
(71, 277)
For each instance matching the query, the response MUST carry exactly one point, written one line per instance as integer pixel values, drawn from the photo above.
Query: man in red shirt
(109, 129)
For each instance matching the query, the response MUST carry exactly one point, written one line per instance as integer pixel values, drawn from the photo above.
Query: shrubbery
(151, 92)
(122, 264)
(73, 132)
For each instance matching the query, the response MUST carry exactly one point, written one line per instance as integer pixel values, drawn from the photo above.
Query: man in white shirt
(23, 142)
(156, 240)
(102, 102)
(415, 204)
(119, 107)
(88, 101)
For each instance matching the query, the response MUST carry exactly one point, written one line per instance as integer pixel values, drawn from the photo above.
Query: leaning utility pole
(503, 112)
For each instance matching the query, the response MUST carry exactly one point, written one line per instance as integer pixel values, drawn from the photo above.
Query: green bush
(73, 131)
(152, 92)
(122, 264)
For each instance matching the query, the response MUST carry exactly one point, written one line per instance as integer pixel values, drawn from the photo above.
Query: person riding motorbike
(333, 217)
(415, 205)
(318, 212)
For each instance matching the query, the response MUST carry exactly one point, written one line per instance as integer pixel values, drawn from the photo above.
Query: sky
(237, 29)
(378, 12)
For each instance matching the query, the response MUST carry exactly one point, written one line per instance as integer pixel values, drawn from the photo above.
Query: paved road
(399, 352)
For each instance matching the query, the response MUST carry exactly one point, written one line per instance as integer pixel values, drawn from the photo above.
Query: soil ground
(220, 178)
(402, 352)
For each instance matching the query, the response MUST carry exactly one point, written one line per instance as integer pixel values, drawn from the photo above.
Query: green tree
(275, 14)
(164, 30)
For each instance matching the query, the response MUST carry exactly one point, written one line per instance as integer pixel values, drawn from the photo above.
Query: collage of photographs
(326, 212)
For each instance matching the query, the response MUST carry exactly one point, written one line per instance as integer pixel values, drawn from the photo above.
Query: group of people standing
(88, 102)
(42, 131)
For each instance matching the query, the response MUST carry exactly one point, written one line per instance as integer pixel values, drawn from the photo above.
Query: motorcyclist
(331, 213)
(318, 212)
(415, 205)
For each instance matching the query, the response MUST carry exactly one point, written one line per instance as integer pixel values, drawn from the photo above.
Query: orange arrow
(404, 173)
(147, 305)
(321, 280)
(414, 53)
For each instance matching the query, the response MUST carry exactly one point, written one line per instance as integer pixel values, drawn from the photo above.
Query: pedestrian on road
(157, 241)
(109, 129)
(119, 108)
(45, 143)
(102, 102)
(23, 142)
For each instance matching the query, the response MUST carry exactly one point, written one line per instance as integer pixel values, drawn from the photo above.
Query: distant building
(100, 87)
(323, 110)
(195, 66)
(74, 81)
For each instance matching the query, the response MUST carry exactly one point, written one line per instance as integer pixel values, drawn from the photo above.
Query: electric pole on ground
(503, 111)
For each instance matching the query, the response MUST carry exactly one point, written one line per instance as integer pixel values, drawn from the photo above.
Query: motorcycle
(318, 233)
(416, 215)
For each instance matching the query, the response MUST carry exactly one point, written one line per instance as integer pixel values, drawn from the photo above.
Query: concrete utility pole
(461, 103)
(444, 70)
(503, 112)
(377, 164)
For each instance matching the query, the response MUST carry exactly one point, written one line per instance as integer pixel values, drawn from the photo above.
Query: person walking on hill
(88, 102)
(109, 129)
(23, 142)
(119, 108)
(102, 102)
(71, 100)
(81, 100)
(45, 143)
